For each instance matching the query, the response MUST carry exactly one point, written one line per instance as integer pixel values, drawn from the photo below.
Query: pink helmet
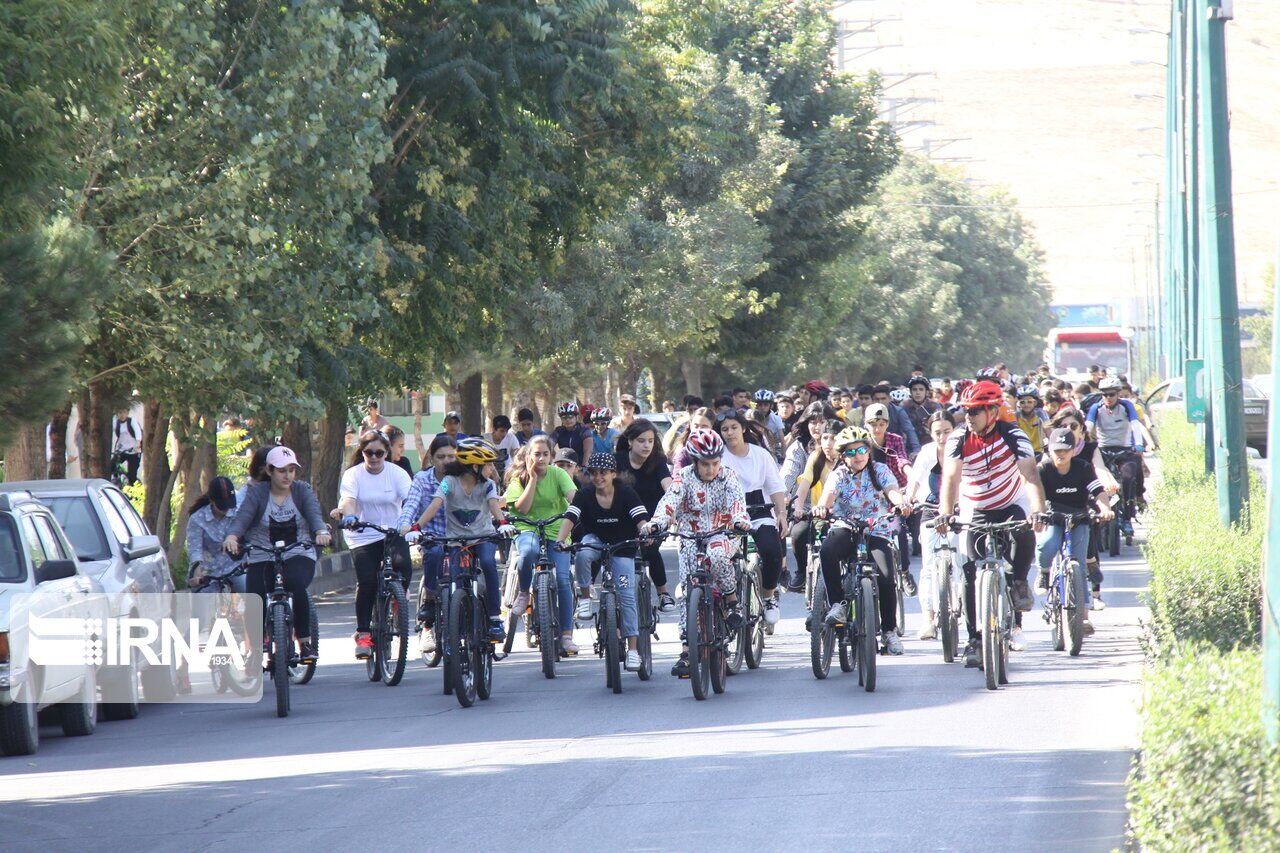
(704, 444)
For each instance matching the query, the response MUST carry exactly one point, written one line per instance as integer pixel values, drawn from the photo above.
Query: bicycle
(1065, 603)
(279, 625)
(900, 584)
(608, 617)
(950, 604)
(229, 606)
(468, 653)
(748, 645)
(995, 605)
(821, 635)
(390, 626)
(117, 473)
(706, 631)
(544, 626)
(1126, 503)
(857, 635)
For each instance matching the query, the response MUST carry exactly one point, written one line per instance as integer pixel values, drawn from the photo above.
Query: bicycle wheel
(754, 626)
(226, 677)
(719, 654)
(544, 611)
(1075, 616)
(946, 616)
(373, 666)
(1055, 606)
(444, 606)
(647, 619)
(612, 652)
(900, 585)
(281, 645)
(431, 658)
(1006, 623)
(462, 649)
(302, 673)
(821, 636)
(484, 652)
(698, 631)
(1113, 536)
(989, 598)
(394, 650)
(868, 626)
(736, 643)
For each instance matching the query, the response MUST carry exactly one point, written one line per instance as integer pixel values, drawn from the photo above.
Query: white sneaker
(1017, 642)
(837, 614)
(771, 611)
(583, 613)
(928, 632)
(1098, 603)
(428, 640)
(633, 660)
(892, 644)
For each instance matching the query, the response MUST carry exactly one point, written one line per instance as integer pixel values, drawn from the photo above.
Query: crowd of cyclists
(893, 467)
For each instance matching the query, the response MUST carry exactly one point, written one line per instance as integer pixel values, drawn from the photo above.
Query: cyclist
(888, 448)
(704, 496)
(762, 484)
(1031, 418)
(1069, 483)
(504, 440)
(919, 407)
(396, 437)
(473, 509)
(862, 489)
(787, 411)
(608, 512)
(643, 466)
(768, 421)
(126, 444)
(1087, 449)
(605, 437)
(209, 519)
(540, 490)
(899, 423)
(281, 508)
(629, 412)
(702, 418)
(803, 441)
(1113, 423)
(809, 487)
(571, 434)
(926, 481)
(374, 491)
(442, 453)
(988, 465)
(526, 429)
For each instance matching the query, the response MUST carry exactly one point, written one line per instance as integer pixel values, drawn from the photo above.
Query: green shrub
(1206, 779)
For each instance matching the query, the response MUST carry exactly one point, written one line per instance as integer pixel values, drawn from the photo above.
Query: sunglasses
(374, 454)
(857, 451)
(1110, 394)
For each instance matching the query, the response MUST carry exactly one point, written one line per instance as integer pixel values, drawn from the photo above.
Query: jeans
(1049, 541)
(432, 561)
(486, 554)
(529, 549)
(624, 580)
(368, 563)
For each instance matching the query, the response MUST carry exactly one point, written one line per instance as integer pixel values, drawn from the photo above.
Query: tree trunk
(471, 409)
(296, 435)
(58, 442)
(418, 404)
(628, 379)
(691, 370)
(544, 409)
(493, 402)
(162, 525)
(155, 465)
(327, 463)
(24, 457)
(191, 476)
(95, 426)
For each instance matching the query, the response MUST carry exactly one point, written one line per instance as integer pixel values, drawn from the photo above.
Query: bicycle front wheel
(648, 617)
(1056, 605)
(699, 633)
(900, 585)
(946, 614)
(462, 651)
(612, 653)
(1075, 618)
(736, 643)
(821, 636)
(281, 645)
(754, 624)
(393, 648)
(868, 626)
(484, 652)
(719, 654)
(544, 607)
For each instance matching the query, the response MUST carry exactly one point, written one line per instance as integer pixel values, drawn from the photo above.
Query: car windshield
(10, 556)
(75, 514)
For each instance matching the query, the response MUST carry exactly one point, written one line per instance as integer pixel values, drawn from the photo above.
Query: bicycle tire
(698, 636)
(1075, 622)
(868, 633)
(719, 654)
(484, 652)
(942, 571)
(754, 626)
(821, 637)
(735, 646)
(1056, 607)
(1113, 537)
(990, 628)
(544, 612)
(647, 619)
(431, 658)
(303, 673)
(248, 682)
(609, 628)
(394, 651)
(462, 650)
(1006, 623)
(281, 643)
(445, 604)
(899, 584)
(373, 666)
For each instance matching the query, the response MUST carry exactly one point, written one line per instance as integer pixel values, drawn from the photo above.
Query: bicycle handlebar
(389, 532)
(606, 549)
(247, 548)
(541, 523)
(461, 540)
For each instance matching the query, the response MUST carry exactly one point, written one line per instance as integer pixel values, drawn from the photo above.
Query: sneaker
(681, 668)
(909, 584)
(1126, 527)
(306, 654)
(797, 582)
(1098, 603)
(497, 633)
(1088, 628)
(1042, 584)
(364, 645)
(666, 603)
(733, 618)
(771, 611)
(567, 645)
(1017, 642)
(928, 632)
(633, 661)
(836, 615)
(427, 614)
(583, 613)
(892, 644)
(521, 604)
(1022, 599)
(972, 654)
(427, 639)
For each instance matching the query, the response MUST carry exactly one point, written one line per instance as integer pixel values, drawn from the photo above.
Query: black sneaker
(497, 633)
(733, 619)
(681, 669)
(972, 655)
(909, 584)
(427, 615)
(1042, 583)
(1022, 599)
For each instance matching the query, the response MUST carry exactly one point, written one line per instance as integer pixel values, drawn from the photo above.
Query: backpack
(1006, 432)
(128, 424)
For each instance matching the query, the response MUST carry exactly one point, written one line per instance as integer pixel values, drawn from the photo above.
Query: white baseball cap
(282, 457)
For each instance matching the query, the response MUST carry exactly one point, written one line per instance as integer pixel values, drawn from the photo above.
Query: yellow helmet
(476, 451)
(852, 435)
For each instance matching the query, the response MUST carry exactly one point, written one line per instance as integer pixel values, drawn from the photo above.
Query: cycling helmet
(567, 409)
(602, 414)
(1028, 391)
(476, 451)
(899, 395)
(704, 444)
(818, 388)
(982, 394)
(852, 435)
(1111, 383)
(919, 380)
(602, 462)
(959, 385)
(989, 373)
(764, 395)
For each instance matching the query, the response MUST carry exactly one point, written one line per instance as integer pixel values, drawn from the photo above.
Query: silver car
(1168, 395)
(116, 549)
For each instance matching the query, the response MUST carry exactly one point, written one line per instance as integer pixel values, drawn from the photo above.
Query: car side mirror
(141, 546)
(52, 570)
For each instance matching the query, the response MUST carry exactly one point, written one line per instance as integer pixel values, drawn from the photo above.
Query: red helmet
(981, 394)
(818, 388)
(704, 443)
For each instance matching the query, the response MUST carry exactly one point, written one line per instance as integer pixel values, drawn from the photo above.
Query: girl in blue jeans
(609, 513)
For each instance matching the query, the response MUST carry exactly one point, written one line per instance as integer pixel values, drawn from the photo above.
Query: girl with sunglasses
(861, 489)
(372, 490)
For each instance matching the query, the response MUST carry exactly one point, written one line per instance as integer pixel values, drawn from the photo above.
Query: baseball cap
(282, 457)
(453, 416)
(876, 412)
(222, 494)
(1062, 439)
(566, 454)
(627, 398)
(817, 387)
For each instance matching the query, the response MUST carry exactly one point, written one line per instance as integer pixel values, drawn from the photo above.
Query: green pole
(1175, 213)
(1271, 585)
(1196, 295)
(1218, 264)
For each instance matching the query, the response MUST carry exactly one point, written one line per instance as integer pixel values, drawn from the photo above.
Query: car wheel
(79, 717)
(19, 728)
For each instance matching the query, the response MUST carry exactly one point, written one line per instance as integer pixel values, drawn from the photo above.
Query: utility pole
(1218, 263)
(1271, 585)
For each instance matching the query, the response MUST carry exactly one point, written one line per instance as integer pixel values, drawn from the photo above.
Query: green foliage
(1206, 778)
(232, 462)
(1257, 359)
(1205, 579)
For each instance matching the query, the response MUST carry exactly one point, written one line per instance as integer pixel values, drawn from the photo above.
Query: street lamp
(1143, 95)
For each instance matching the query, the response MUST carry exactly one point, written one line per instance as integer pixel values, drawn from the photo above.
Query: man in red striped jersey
(990, 466)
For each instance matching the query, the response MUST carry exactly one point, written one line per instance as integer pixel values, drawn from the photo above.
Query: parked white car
(115, 548)
(40, 578)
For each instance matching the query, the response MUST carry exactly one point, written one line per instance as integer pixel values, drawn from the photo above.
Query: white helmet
(899, 395)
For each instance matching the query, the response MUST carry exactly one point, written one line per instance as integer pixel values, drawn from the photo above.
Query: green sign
(1197, 390)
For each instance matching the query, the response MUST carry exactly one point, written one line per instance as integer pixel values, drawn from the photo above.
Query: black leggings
(800, 545)
(842, 544)
(368, 562)
(1020, 557)
(769, 547)
(652, 555)
(298, 574)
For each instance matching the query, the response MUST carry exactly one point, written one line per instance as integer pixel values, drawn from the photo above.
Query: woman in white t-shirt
(372, 491)
(761, 480)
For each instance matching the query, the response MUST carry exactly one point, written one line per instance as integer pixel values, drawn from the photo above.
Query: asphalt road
(930, 761)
